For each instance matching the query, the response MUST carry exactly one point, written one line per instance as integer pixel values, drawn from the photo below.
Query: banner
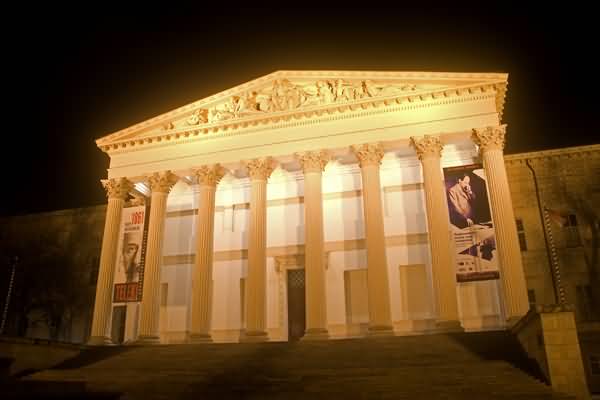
(129, 270)
(471, 222)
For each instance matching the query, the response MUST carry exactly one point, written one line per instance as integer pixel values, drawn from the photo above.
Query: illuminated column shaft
(429, 151)
(161, 184)
(314, 268)
(208, 178)
(491, 144)
(259, 171)
(369, 156)
(117, 191)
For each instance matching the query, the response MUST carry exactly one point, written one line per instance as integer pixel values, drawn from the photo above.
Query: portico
(340, 172)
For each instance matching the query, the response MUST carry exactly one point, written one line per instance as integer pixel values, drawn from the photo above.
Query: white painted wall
(479, 302)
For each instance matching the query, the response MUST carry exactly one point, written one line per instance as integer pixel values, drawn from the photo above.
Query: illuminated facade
(310, 204)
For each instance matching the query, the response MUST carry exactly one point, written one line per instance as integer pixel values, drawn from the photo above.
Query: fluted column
(313, 164)
(369, 158)
(491, 146)
(160, 184)
(259, 171)
(208, 178)
(117, 191)
(429, 151)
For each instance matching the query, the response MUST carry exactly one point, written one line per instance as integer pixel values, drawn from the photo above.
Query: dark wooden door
(296, 304)
(117, 332)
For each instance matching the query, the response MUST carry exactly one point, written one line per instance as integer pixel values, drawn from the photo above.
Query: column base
(254, 337)
(143, 340)
(445, 326)
(99, 341)
(380, 330)
(315, 334)
(199, 338)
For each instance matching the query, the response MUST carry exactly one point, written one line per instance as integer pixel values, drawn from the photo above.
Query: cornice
(166, 118)
(567, 152)
(308, 116)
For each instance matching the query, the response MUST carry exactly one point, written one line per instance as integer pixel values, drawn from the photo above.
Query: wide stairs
(483, 365)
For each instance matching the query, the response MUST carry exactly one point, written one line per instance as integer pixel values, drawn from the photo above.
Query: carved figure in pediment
(251, 102)
(370, 89)
(310, 95)
(168, 126)
(326, 95)
(263, 102)
(199, 116)
(344, 91)
(392, 90)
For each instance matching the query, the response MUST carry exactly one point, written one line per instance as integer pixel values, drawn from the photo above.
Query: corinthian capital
(210, 175)
(427, 146)
(490, 137)
(162, 182)
(313, 161)
(260, 168)
(368, 153)
(118, 188)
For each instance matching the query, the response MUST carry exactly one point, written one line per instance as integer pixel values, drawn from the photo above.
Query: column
(429, 151)
(117, 191)
(491, 146)
(208, 179)
(259, 171)
(160, 184)
(369, 158)
(313, 164)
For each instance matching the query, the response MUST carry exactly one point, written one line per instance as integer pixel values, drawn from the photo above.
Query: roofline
(553, 152)
(306, 73)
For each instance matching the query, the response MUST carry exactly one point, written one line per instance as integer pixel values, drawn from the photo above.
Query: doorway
(117, 331)
(296, 304)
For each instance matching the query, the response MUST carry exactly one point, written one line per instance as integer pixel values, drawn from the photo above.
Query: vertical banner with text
(471, 223)
(129, 269)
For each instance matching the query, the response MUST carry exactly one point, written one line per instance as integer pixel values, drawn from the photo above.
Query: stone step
(480, 366)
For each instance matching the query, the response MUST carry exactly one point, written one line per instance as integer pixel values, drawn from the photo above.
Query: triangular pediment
(290, 92)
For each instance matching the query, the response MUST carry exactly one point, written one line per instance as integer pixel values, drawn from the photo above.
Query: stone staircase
(484, 365)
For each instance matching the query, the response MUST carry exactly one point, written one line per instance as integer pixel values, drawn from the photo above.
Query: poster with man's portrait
(130, 255)
(471, 222)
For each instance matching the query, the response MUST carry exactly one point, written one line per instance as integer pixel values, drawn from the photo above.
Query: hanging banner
(471, 222)
(129, 270)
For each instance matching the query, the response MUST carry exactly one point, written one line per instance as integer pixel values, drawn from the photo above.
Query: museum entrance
(117, 334)
(296, 304)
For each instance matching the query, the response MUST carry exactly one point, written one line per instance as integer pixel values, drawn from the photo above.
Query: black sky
(74, 78)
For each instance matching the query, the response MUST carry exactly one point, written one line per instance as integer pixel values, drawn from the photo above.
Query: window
(571, 231)
(94, 267)
(531, 296)
(584, 307)
(521, 233)
(595, 364)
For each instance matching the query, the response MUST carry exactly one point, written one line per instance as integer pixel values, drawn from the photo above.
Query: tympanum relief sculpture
(284, 95)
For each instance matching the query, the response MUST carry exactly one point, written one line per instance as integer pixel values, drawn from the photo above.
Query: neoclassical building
(313, 205)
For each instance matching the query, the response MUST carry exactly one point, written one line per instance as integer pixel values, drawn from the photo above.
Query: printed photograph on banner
(471, 223)
(129, 262)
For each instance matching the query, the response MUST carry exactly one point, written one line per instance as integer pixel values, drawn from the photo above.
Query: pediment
(290, 92)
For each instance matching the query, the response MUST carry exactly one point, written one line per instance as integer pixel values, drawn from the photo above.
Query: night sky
(74, 78)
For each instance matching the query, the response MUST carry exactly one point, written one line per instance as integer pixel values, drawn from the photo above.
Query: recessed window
(571, 231)
(521, 234)
(595, 364)
(531, 296)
